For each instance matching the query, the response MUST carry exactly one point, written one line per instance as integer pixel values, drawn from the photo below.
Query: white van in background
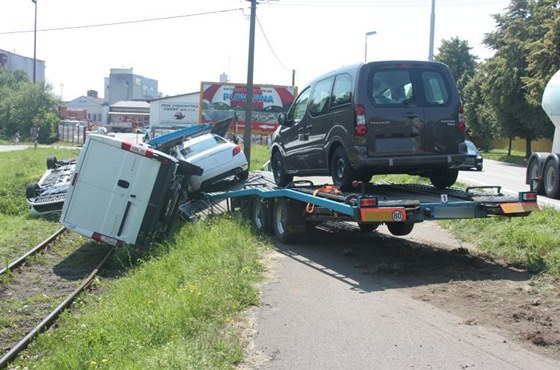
(123, 193)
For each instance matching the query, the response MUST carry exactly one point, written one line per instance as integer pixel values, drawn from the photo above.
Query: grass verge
(175, 310)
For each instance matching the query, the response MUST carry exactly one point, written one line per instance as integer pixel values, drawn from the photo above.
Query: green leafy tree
(24, 105)
(457, 55)
(508, 72)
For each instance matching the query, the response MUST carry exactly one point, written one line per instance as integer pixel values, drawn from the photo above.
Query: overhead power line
(124, 22)
(270, 46)
(382, 3)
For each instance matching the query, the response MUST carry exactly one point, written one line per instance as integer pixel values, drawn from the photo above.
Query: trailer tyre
(551, 178)
(341, 172)
(534, 171)
(287, 219)
(280, 176)
(443, 178)
(400, 228)
(51, 162)
(260, 216)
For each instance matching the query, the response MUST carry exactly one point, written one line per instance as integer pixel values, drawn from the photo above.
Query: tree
(24, 105)
(508, 70)
(457, 55)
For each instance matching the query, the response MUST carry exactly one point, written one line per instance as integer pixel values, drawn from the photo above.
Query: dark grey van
(388, 117)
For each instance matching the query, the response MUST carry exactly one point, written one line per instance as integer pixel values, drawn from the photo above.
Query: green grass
(260, 154)
(177, 309)
(501, 155)
(19, 230)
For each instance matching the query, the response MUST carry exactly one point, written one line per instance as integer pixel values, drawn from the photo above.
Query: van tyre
(551, 178)
(400, 228)
(280, 176)
(51, 162)
(341, 172)
(443, 178)
(534, 170)
(288, 220)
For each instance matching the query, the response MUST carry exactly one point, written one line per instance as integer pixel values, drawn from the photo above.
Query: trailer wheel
(280, 176)
(400, 228)
(551, 179)
(341, 172)
(533, 170)
(443, 178)
(260, 216)
(368, 228)
(51, 162)
(31, 190)
(287, 219)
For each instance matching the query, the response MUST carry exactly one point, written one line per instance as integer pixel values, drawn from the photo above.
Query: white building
(96, 110)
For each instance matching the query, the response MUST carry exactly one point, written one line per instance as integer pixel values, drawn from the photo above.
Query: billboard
(222, 100)
(175, 114)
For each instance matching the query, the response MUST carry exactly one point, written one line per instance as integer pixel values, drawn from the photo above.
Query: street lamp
(368, 34)
(35, 43)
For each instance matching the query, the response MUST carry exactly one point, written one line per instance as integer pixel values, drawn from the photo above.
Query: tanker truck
(543, 169)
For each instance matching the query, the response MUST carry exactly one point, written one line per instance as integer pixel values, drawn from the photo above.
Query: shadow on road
(377, 261)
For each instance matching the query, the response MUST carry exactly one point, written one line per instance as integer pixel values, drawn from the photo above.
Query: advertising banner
(178, 114)
(223, 100)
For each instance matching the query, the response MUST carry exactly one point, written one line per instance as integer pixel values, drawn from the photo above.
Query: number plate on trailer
(389, 214)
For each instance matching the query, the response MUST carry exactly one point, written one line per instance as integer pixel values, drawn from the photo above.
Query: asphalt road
(320, 311)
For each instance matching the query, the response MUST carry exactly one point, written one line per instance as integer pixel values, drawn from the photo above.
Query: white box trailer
(123, 193)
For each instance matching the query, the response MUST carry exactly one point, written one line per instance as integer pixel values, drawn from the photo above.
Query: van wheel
(288, 220)
(551, 179)
(31, 190)
(400, 228)
(280, 176)
(341, 172)
(443, 178)
(534, 172)
(51, 162)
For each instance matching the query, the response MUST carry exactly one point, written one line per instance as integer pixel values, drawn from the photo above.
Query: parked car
(217, 156)
(373, 118)
(473, 159)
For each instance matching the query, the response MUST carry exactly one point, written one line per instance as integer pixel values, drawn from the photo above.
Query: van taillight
(138, 149)
(461, 119)
(361, 128)
(236, 150)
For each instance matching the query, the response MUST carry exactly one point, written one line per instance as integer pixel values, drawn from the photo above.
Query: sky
(181, 43)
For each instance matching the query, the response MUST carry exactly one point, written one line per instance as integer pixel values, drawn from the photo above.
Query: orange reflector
(519, 207)
(396, 214)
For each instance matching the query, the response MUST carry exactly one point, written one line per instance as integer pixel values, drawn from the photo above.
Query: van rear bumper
(413, 161)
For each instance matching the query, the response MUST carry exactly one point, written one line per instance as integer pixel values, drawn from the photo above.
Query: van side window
(392, 87)
(320, 97)
(298, 108)
(434, 88)
(342, 90)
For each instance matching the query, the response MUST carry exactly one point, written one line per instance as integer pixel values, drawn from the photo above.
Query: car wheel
(341, 172)
(31, 190)
(534, 172)
(51, 162)
(400, 228)
(551, 179)
(280, 176)
(443, 178)
(479, 168)
(243, 175)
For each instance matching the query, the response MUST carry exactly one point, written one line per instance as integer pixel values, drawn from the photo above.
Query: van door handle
(411, 115)
(123, 184)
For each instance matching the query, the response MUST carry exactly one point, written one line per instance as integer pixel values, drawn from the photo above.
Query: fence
(72, 131)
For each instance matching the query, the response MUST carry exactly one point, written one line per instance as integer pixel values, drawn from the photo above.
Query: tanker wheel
(534, 171)
(400, 228)
(551, 179)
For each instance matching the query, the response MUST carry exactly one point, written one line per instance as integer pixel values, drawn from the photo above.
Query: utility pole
(432, 26)
(249, 101)
(35, 43)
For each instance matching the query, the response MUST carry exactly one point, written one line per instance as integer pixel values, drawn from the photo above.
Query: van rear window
(434, 88)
